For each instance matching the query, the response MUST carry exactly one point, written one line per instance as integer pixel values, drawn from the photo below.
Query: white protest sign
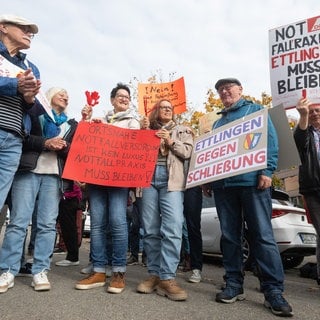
(232, 149)
(294, 59)
(8, 69)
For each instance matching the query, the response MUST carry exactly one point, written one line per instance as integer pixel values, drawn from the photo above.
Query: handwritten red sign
(107, 155)
(150, 93)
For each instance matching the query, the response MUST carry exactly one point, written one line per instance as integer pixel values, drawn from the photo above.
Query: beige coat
(178, 154)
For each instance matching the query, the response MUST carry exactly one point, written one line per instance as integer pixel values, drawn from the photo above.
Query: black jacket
(33, 146)
(309, 170)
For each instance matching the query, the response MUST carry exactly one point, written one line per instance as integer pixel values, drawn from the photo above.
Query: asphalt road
(64, 302)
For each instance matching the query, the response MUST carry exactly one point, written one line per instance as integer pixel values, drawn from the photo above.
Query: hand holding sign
(303, 106)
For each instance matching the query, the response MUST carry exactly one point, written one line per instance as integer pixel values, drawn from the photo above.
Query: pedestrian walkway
(63, 301)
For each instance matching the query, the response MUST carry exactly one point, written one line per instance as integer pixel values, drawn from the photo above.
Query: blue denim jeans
(162, 219)
(28, 187)
(255, 207)
(10, 152)
(108, 207)
(185, 246)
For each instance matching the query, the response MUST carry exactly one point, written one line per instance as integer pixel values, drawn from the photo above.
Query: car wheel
(247, 260)
(291, 261)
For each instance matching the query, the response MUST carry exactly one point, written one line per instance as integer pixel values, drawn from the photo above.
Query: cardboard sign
(150, 93)
(294, 62)
(288, 155)
(207, 120)
(107, 155)
(235, 148)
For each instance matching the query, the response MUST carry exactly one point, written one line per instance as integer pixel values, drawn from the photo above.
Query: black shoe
(230, 295)
(132, 260)
(25, 271)
(278, 305)
(59, 251)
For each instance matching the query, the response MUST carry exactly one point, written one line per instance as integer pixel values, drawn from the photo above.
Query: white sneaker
(67, 263)
(88, 269)
(195, 276)
(6, 281)
(40, 282)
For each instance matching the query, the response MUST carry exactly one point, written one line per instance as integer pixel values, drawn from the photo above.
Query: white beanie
(53, 91)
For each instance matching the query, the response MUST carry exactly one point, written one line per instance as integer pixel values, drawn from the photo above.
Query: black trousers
(134, 223)
(192, 212)
(68, 223)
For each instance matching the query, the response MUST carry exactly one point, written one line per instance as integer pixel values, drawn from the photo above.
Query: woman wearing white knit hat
(38, 186)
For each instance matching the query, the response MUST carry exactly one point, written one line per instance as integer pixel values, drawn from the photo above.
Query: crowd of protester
(161, 222)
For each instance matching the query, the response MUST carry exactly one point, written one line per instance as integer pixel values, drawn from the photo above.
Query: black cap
(227, 80)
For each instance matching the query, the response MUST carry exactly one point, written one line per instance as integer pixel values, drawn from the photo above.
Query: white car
(295, 236)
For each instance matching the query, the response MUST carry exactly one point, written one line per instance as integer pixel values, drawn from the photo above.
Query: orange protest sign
(107, 155)
(150, 93)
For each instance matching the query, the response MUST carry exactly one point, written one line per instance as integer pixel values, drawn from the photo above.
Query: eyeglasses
(166, 108)
(123, 96)
(24, 29)
(317, 110)
(227, 87)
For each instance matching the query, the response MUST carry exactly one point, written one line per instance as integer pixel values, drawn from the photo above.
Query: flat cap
(10, 18)
(227, 80)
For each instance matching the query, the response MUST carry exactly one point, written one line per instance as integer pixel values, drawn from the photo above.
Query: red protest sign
(150, 93)
(107, 155)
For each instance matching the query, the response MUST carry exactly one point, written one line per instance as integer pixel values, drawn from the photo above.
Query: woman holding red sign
(108, 208)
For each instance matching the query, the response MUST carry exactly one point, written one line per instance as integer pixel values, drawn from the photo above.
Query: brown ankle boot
(170, 288)
(94, 280)
(148, 285)
(117, 282)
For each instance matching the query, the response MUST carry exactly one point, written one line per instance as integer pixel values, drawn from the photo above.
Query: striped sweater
(12, 105)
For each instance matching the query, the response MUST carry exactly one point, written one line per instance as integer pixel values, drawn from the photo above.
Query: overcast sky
(91, 45)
